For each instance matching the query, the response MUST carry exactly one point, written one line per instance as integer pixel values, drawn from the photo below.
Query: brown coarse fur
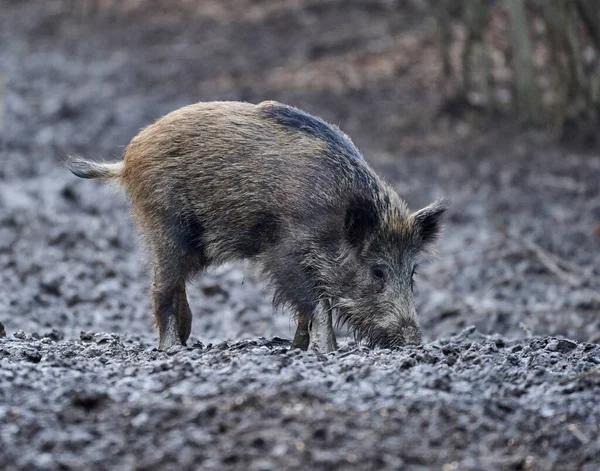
(223, 181)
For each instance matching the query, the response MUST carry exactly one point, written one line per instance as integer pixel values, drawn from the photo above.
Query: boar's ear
(427, 221)
(361, 220)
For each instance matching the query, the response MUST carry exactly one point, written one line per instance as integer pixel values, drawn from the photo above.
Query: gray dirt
(509, 375)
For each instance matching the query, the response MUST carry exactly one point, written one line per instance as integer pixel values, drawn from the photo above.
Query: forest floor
(508, 376)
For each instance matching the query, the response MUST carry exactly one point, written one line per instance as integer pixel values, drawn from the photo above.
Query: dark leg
(171, 309)
(300, 288)
(302, 337)
(184, 316)
(166, 309)
(322, 336)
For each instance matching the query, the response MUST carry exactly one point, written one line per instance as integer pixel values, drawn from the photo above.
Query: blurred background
(493, 104)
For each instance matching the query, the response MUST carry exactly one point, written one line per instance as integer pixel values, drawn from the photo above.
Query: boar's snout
(404, 333)
(412, 335)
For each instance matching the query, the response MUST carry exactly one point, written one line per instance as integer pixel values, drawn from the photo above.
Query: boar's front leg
(302, 336)
(321, 334)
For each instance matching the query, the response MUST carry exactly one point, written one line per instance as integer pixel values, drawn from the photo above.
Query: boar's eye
(379, 273)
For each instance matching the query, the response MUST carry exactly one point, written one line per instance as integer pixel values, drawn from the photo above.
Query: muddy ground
(508, 375)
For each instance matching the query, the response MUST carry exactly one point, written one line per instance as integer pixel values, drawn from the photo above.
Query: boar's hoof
(168, 344)
(301, 340)
(169, 337)
(323, 345)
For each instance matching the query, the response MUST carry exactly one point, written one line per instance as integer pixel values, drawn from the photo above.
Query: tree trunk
(527, 93)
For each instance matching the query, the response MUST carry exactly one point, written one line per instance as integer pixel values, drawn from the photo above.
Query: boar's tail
(86, 169)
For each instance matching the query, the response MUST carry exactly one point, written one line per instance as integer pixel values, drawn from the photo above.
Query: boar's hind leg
(171, 309)
(172, 314)
(322, 336)
(184, 316)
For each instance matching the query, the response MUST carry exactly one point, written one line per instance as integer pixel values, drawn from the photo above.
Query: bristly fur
(296, 120)
(223, 181)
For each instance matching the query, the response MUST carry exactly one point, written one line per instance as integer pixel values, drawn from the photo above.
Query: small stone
(101, 338)
(19, 334)
(449, 350)
(565, 345)
(86, 336)
(55, 335)
(278, 342)
(140, 420)
(260, 350)
(561, 345)
(33, 356)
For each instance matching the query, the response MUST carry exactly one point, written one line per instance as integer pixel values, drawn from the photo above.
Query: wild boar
(223, 181)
